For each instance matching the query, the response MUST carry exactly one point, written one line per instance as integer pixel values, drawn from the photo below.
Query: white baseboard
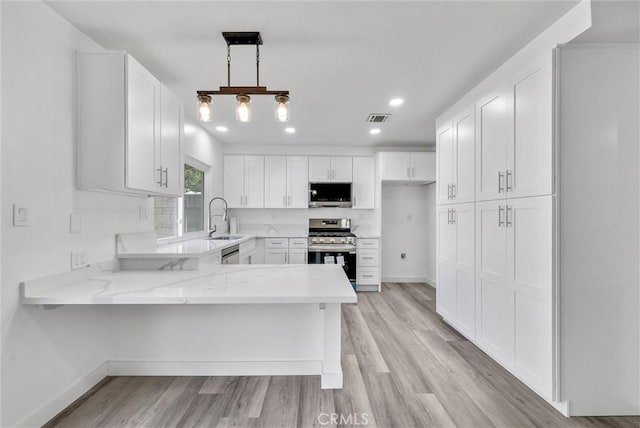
(214, 368)
(331, 380)
(404, 279)
(58, 403)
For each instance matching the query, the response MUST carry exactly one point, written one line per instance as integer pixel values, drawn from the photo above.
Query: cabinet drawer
(368, 276)
(368, 258)
(276, 243)
(368, 243)
(298, 243)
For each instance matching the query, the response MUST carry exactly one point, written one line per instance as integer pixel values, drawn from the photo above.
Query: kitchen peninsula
(227, 320)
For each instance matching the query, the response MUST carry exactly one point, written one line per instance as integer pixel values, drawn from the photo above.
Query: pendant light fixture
(243, 93)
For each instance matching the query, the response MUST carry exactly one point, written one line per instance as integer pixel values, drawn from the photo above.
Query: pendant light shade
(282, 108)
(243, 111)
(204, 108)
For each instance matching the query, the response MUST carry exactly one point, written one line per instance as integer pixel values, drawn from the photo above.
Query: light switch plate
(20, 215)
(75, 223)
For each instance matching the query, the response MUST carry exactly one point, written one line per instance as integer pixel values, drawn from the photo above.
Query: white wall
(407, 213)
(48, 354)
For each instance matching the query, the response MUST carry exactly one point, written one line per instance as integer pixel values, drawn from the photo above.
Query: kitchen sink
(225, 238)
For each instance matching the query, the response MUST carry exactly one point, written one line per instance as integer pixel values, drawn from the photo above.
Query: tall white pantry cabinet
(495, 224)
(539, 265)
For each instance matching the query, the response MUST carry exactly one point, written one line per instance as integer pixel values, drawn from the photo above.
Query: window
(175, 217)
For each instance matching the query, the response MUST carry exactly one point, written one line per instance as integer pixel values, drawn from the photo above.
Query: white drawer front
(368, 258)
(367, 276)
(368, 243)
(298, 243)
(276, 243)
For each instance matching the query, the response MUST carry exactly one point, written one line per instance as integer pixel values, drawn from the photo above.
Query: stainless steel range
(331, 242)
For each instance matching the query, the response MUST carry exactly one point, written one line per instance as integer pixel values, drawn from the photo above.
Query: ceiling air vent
(378, 117)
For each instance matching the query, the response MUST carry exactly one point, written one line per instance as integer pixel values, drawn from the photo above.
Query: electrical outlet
(20, 215)
(403, 256)
(78, 259)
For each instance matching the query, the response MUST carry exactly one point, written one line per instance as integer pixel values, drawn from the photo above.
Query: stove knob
(332, 240)
(343, 240)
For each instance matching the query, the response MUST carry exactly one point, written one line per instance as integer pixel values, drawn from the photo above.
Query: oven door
(346, 258)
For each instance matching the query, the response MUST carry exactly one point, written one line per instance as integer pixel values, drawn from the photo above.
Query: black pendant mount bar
(242, 90)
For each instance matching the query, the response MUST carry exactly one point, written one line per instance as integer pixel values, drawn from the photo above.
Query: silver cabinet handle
(328, 174)
(413, 171)
(289, 200)
(160, 171)
(500, 220)
(284, 201)
(509, 186)
(509, 222)
(364, 275)
(449, 216)
(500, 185)
(453, 191)
(367, 258)
(286, 257)
(354, 201)
(408, 172)
(166, 177)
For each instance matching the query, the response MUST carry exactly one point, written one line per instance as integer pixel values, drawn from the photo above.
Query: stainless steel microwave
(330, 195)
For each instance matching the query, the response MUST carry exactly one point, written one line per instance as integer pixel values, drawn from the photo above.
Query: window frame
(206, 168)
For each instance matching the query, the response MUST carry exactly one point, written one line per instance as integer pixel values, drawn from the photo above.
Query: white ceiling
(341, 60)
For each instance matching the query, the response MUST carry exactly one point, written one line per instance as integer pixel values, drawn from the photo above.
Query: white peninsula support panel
(232, 320)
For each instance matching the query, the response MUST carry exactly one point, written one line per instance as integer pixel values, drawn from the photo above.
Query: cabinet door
(445, 263)
(394, 166)
(342, 169)
(254, 181)
(234, 181)
(275, 181)
(465, 299)
(171, 129)
(494, 133)
(364, 184)
(276, 257)
(142, 151)
(530, 157)
(529, 222)
(444, 164)
(298, 257)
(297, 182)
(464, 165)
(319, 169)
(494, 296)
(423, 166)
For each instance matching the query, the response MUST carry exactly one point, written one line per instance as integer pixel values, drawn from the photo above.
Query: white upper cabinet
(129, 128)
(530, 157)
(275, 182)
(494, 134)
(244, 181)
(463, 187)
(330, 169)
(286, 182)
(171, 162)
(408, 166)
(363, 183)
(444, 163)
(515, 136)
(297, 182)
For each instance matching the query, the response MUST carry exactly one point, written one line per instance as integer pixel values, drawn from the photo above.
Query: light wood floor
(402, 366)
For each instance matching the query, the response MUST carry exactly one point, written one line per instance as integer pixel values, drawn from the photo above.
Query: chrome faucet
(224, 215)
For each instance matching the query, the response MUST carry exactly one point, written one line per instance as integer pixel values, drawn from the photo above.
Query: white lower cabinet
(274, 256)
(455, 299)
(514, 286)
(279, 251)
(297, 257)
(248, 252)
(368, 264)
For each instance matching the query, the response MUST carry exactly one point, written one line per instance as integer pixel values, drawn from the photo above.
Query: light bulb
(204, 108)
(243, 111)
(282, 108)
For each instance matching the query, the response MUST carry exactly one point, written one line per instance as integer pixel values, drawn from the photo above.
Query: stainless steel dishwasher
(231, 255)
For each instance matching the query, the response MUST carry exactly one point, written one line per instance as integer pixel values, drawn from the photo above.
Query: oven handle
(350, 250)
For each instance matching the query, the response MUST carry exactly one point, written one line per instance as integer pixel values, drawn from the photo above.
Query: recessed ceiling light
(374, 131)
(396, 102)
(221, 128)
(290, 130)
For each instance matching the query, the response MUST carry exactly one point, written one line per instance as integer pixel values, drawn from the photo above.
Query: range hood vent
(378, 117)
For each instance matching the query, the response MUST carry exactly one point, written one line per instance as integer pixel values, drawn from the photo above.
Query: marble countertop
(180, 249)
(226, 284)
